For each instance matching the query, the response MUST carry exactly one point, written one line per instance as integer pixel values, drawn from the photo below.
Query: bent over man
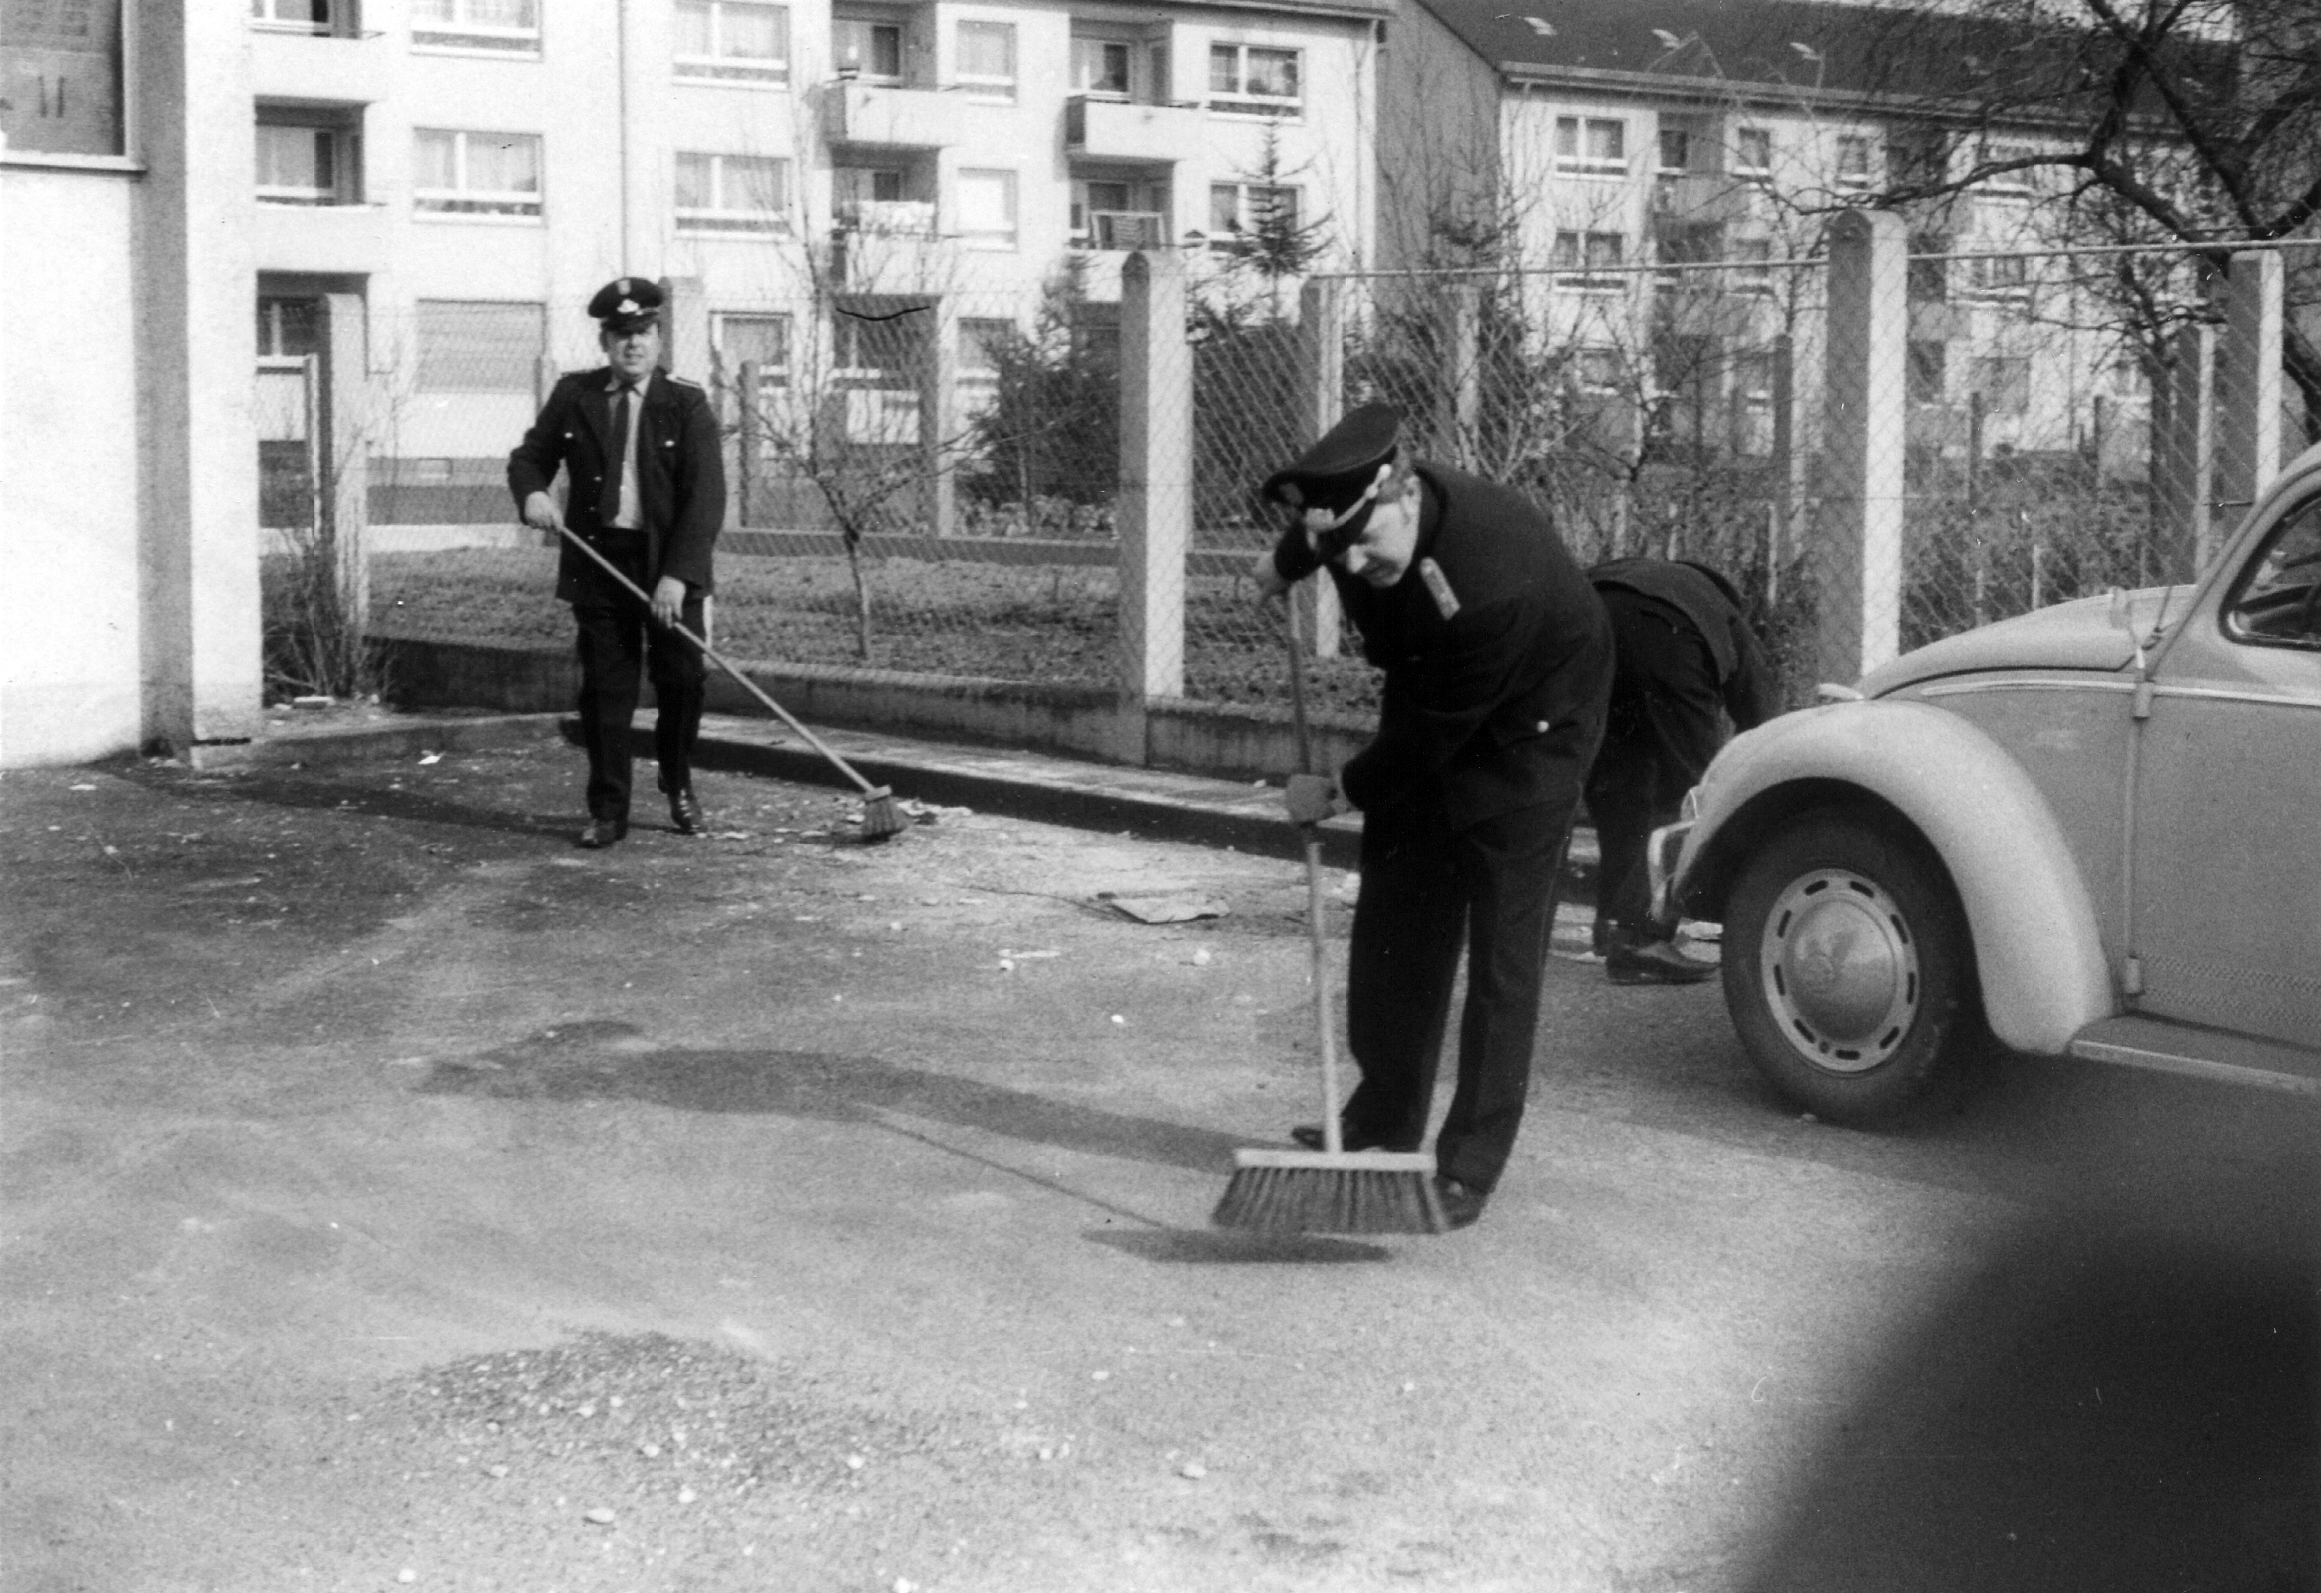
(1683, 648)
(646, 490)
(1497, 658)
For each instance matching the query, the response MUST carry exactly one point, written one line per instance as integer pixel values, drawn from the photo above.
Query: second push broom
(1332, 1190)
(880, 818)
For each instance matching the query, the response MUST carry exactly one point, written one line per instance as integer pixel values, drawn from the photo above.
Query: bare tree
(2187, 121)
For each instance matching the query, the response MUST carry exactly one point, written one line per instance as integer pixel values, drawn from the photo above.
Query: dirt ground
(396, 1196)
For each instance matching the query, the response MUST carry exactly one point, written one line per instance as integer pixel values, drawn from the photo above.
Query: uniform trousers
(1427, 890)
(1663, 726)
(621, 645)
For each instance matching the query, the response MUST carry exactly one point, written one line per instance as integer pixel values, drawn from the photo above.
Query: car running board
(2141, 1042)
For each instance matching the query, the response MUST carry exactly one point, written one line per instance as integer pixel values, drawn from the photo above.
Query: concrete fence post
(2248, 381)
(1859, 561)
(1463, 373)
(347, 442)
(1156, 479)
(940, 421)
(2184, 455)
(1322, 354)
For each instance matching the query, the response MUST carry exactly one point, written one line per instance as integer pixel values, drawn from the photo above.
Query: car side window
(2278, 601)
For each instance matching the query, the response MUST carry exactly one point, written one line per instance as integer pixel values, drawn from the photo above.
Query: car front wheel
(1847, 966)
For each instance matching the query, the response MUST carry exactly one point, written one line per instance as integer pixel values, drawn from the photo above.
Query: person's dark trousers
(1426, 891)
(619, 647)
(1663, 726)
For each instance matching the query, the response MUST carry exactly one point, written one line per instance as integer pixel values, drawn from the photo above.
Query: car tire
(1848, 969)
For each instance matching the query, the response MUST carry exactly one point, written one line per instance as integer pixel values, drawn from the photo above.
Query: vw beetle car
(2094, 829)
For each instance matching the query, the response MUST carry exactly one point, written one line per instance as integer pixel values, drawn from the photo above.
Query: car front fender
(2038, 947)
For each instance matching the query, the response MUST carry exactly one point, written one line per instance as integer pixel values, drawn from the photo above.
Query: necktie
(608, 502)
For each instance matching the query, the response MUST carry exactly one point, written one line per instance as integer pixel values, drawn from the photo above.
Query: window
(1753, 152)
(1853, 161)
(980, 344)
(1237, 210)
(1687, 243)
(1927, 380)
(2005, 384)
(1929, 279)
(759, 344)
(2279, 600)
(1599, 370)
(289, 328)
(987, 59)
(304, 159)
(301, 16)
(476, 174)
(2021, 184)
(1756, 270)
(1675, 151)
(1250, 80)
(2005, 276)
(733, 41)
(502, 26)
(467, 346)
(1753, 376)
(869, 50)
(1108, 214)
(1591, 146)
(986, 215)
(64, 73)
(732, 193)
(1100, 67)
(1579, 257)
(878, 185)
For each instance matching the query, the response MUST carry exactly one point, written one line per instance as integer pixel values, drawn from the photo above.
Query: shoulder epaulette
(685, 381)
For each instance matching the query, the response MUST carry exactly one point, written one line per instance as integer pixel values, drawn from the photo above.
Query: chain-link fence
(1878, 445)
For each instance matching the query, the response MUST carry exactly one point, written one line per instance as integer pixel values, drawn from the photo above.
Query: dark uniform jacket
(1744, 676)
(680, 472)
(1497, 655)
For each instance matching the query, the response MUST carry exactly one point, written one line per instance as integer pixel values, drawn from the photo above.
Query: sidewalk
(1152, 803)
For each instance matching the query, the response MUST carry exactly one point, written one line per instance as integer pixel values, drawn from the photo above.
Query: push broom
(1332, 1190)
(880, 818)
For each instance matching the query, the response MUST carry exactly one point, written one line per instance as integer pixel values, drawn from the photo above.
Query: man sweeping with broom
(1498, 661)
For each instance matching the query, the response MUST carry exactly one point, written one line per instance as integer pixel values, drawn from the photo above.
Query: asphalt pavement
(396, 1196)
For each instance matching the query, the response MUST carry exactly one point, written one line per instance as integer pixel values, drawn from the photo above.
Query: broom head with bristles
(1287, 1191)
(880, 817)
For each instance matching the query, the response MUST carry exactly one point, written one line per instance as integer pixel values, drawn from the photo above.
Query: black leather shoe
(1461, 1203)
(601, 833)
(685, 811)
(1309, 1137)
(1655, 962)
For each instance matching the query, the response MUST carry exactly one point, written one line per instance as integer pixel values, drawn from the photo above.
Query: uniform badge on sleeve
(1438, 586)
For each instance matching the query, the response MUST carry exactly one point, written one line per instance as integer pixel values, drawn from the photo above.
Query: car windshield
(2278, 601)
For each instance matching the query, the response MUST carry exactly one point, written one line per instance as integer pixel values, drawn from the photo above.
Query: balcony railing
(892, 217)
(1127, 229)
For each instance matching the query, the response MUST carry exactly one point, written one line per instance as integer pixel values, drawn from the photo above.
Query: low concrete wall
(1229, 742)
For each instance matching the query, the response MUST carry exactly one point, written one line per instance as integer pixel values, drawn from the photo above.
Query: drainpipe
(621, 58)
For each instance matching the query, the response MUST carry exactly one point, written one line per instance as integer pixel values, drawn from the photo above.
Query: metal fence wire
(1879, 445)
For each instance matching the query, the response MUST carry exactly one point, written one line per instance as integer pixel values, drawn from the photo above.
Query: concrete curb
(1156, 804)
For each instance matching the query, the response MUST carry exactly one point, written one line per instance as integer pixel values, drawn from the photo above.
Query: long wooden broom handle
(1333, 1140)
(712, 655)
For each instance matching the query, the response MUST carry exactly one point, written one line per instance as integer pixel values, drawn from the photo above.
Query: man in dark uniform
(646, 488)
(1497, 659)
(1684, 650)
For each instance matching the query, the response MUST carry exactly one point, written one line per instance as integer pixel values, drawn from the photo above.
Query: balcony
(319, 67)
(884, 246)
(1699, 197)
(880, 116)
(1124, 130)
(333, 239)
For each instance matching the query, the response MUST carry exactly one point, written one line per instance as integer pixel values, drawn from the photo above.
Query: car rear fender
(2038, 948)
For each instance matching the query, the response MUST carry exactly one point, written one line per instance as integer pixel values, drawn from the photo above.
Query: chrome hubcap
(1840, 970)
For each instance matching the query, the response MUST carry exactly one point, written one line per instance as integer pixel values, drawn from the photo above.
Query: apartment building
(1597, 137)
(462, 173)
